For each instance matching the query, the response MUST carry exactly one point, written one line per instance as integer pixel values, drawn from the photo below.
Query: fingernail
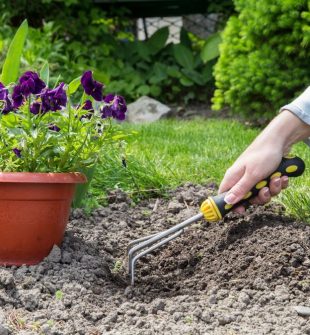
(230, 198)
(277, 182)
(285, 178)
(266, 192)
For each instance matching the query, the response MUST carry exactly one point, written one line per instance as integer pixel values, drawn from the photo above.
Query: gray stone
(174, 207)
(146, 109)
(45, 329)
(244, 297)
(212, 299)
(302, 310)
(6, 279)
(206, 317)
(66, 257)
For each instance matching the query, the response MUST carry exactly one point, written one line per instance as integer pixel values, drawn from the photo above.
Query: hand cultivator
(212, 209)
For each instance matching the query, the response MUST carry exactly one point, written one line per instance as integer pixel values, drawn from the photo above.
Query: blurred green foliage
(264, 58)
(76, 35)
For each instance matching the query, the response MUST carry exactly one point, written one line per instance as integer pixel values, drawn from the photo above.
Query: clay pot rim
(43, 177)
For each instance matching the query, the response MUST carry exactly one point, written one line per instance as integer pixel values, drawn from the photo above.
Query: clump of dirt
(242, 275)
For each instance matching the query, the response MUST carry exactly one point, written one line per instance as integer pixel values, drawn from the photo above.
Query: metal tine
(138, 240)
(156, 237)
(145, 252)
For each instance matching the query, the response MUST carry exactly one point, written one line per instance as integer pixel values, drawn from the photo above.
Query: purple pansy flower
(53, 127)
(92, 87)
(35, 108)
(53, 100)
(116, 107)
(17, 97)
(6, 102)
(30, 83)
(17, 152)
(88, 106)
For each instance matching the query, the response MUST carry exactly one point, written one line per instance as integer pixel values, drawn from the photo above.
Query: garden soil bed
(243, 275)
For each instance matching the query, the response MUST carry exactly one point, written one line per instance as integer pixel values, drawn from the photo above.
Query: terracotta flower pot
(34, 212)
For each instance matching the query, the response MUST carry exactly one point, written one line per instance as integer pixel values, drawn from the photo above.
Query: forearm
(283, 131)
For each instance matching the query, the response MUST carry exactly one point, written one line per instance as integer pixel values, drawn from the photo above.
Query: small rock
(244, 297)
(54, 256)
(174, 207)
(177, 316)
(206, 317)
(225, 319)
(66, 257)
(302, 310)
(212, 299)
(45, 329)
(146, 109)
(128, 291)
(197, 312)
(6, 279)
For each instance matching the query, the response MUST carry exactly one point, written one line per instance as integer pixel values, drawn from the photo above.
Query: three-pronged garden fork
(214, 208)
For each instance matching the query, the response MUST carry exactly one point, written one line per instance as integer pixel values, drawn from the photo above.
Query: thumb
(240, 189)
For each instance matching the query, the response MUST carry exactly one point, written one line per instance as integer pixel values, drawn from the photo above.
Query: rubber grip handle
(289, 166)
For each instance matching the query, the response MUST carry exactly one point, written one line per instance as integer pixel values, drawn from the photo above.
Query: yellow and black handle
(215, 208)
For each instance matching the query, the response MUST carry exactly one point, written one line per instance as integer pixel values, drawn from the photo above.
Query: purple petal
(53, 127)
(17, 152)
(17, 97)
(88, 105)
(92, 87)
(31, 83)
(109, 98)
(35, 108)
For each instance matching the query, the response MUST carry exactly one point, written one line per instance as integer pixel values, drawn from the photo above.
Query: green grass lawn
(167, 153)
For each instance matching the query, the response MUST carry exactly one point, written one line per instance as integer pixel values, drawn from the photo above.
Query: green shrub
(264, 59)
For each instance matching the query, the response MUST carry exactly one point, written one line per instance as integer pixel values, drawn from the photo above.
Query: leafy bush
(264, 59)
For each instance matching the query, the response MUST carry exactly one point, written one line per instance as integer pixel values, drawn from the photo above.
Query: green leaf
(184, 38)
(143, 50)
(12, 61)
(195, 76)
(143, 90)
(186, 81)
(74, 85)
(211, 47)
(173, 71)
(208, 71)
(183, 56)
(45, 73)
(158, 40)
(155, 90)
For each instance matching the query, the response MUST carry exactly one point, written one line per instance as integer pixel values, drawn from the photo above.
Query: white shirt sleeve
(301, 108)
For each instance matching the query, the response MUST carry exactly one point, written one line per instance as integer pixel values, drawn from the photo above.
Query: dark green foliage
(264, 58)
(76, 35)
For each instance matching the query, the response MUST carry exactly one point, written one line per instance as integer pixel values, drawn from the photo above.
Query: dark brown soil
(240, 276)
(230, 254)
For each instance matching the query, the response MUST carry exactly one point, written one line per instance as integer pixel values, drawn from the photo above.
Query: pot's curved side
(33, 217)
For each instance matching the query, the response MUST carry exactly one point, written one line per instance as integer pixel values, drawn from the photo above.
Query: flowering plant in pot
(46, 140)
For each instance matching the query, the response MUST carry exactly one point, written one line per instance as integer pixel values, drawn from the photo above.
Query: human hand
(254, 165)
